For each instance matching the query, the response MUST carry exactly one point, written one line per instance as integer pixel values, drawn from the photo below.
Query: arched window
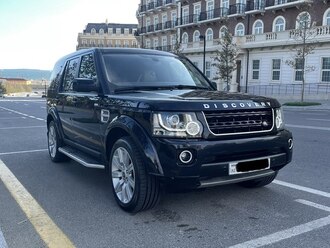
(303, 20)
(209, 34)
(222, 31)
(258, 27)
(326, 18)
(184, 38)
(279, 24)
(93, 31)
(196, 36)
(239, 29)
(101, 31)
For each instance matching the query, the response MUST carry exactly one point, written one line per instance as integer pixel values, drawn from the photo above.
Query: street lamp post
(202, 37)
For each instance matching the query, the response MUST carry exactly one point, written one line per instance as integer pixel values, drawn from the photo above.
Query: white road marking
(302, 188)
(20, 152)
(311, 119)
(3, 243)
(7, 128)
(308, 127)
(17, 112)
(285, 234)
(313, 204)
(48, 231)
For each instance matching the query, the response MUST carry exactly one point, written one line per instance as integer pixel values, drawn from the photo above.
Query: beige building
(264, 30)
(107, 35)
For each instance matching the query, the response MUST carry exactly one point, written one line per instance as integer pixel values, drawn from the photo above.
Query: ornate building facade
(107, 35)
(264, 31)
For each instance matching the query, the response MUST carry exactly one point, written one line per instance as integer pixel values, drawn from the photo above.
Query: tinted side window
(70, 73)
(87, 67)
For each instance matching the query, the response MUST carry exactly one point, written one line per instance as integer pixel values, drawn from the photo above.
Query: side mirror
(214, 85)
(84, 85)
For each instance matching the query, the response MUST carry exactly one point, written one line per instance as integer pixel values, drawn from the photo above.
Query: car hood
(192, 100)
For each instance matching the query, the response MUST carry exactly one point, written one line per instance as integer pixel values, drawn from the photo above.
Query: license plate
(240, 167)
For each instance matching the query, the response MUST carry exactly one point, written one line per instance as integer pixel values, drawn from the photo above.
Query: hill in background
(29, 74)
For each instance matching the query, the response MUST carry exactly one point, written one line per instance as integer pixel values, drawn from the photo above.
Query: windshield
(148, 71)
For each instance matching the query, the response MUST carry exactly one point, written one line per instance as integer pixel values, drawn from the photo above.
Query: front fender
(52, 115)
(141, 139)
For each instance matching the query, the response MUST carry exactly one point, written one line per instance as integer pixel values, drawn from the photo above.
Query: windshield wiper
(161, 87)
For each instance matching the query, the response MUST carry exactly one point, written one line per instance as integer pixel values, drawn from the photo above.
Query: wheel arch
(127, 126)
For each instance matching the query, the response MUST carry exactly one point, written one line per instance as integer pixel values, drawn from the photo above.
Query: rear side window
(87, 67)
(70, 73)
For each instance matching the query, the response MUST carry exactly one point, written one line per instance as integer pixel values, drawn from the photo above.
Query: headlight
(279, 119)
(176, 125)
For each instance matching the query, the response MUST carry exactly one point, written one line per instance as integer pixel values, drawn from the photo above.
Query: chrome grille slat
(239, 121)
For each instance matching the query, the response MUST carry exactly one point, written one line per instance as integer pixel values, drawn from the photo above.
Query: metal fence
(312, 90)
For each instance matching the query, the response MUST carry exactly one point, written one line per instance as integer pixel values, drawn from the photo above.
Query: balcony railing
(156, 4)
(212, 14)
(279, 3)
(167, 48)
(256, 5)
(237, 9)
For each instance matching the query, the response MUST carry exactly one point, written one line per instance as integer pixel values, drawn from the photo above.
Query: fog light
(290, 143)
(185, 157)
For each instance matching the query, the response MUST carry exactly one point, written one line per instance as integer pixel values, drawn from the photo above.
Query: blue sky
(35, 33)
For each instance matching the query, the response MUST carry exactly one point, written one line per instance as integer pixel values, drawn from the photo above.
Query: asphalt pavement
(293, 211)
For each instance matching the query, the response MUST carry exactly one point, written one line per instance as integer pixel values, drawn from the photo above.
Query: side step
(80, 157)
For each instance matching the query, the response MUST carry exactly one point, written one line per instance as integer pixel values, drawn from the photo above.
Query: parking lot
(43, 203)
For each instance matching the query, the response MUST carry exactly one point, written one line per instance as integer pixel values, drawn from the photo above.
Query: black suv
(149, 117)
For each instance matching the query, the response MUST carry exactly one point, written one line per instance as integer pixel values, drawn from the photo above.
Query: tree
(225, 59)
(176, 49)
(304, 35)
(2, 88)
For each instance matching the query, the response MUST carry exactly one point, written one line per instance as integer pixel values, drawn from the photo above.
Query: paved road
(294, 211)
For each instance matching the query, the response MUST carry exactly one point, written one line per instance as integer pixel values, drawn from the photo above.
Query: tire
(260, 182)
(133, 188)
(54, 144)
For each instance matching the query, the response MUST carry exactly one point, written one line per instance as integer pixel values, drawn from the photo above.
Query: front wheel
(260, 182)
(53, 144)
(134, 189)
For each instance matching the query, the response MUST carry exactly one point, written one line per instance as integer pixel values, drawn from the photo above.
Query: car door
(65, 103)
(86, 117)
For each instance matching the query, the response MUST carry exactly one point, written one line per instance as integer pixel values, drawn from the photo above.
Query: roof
(106, 26)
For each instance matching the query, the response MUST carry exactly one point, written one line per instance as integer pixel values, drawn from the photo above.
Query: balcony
(167, 48)
(237, 9)
(282, 4)
(288, 37)
(169, 25)
(253, 7)
(214, 14)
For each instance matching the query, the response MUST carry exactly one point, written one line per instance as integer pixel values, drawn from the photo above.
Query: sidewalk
(325, 105)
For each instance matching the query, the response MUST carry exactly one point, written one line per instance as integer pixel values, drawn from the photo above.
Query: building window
(223, 31)
(93, 31)
(148, 44)
(276, 70)
(164, 41)
(279, 24)
(210, 9)
(126, 43)
(196, 36)
(255, 69)
(208, 69)
(118, 43)
(209, 34)
(303, 20)
(185, 38)
(185, 15)
(258, 27)
(197, 12)
(101, 31)
(326, 18)
(155, 43)
(173, 40)
(326, 69)
(299, 70)
(239, 30)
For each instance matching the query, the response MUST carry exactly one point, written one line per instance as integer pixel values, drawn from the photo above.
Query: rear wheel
(53, 144)
(134, 189)
(260, 182)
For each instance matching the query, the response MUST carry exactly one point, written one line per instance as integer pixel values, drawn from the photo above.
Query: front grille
(232, 122)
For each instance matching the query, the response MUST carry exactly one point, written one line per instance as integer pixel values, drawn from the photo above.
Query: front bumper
(212, 158)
